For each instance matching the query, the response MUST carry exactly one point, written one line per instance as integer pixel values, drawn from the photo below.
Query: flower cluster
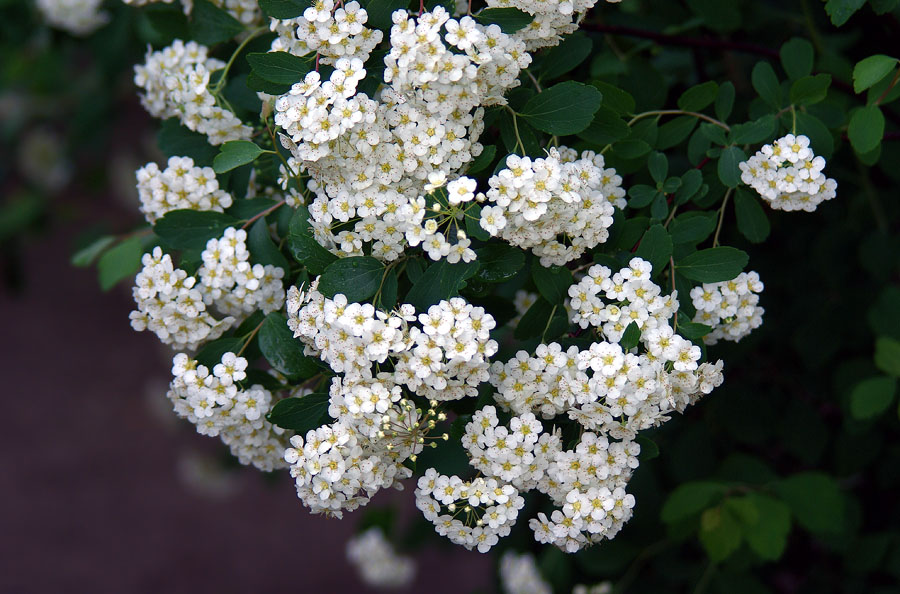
(376, 561)
(731, 308)
(175, 306)
(474, 514)
(558, 206)
(232, 283)
(551, 21)
(788, 175)
(371, 161)
(181, 185)
(78, 17)
(175, 83)
(330, 34)
(219, 404)
(445, 358)
(611, 302)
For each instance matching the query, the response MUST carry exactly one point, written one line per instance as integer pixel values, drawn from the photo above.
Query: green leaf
(720, 533)
(564, 108)
(284, 352)
(86, 255)
(658, 165)
(820, 137)
(659, 208)
(440, 281)
(626, 234)
(755, 131)
(840, 11)
(698, 97)
(655, 247)
(211, 25)
(257, 83)
(283, 9)
(542, 320)
(561, 59)
(766, 84)
(356, 277)
(872, 396)
(248, 208)
(303, 245)
(300, 415)
(797, 58)
(866, 129)
(631, 148)
(262, 249)
(641, 195)
(725, 101)
(499, 262)
(280, 67)
(187, 229)
(693, 330)
(552, 283)
(713, 265)
(631, 337)
(767, 537)
(649, 449)
(509, 20)
(751, 218)
(614, 98)
(234, 154)
(120, 262)
(690, 184)
(887, 356)
(606, 128)
(482, 161)
(473, 224)
(174, 140)
(692, 227)
(728, 169)
(810, 89)
(690, 499)
(380, 12)
(675, 131)
(815, 500)
(871, 70)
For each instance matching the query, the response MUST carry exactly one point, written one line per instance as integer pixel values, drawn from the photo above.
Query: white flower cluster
(519, 575)
(444, 359)
(371, 161)
(175, 83)
(731, 308)
(330, 34)
(175, 306)
(587, 482)
(611, 392)
(246, 11)
(788, 175)
(216, 402)
(181, 185)
(552, 18)
(340, 466)
(558, 206)
(488, 508)
(612, 302)
(78, 17)
(376, 561)
(171, 305)
(236, 287)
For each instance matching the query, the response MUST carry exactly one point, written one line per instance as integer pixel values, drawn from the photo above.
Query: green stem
(721, 216)
(253, 35)
(519, 143)
(664, 112)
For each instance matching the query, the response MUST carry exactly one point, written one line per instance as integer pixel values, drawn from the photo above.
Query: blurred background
(104, 490)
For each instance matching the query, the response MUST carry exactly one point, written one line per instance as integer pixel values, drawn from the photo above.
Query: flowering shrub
(434, 245)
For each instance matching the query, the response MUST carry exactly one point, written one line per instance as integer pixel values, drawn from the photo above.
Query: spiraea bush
(488, 251)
